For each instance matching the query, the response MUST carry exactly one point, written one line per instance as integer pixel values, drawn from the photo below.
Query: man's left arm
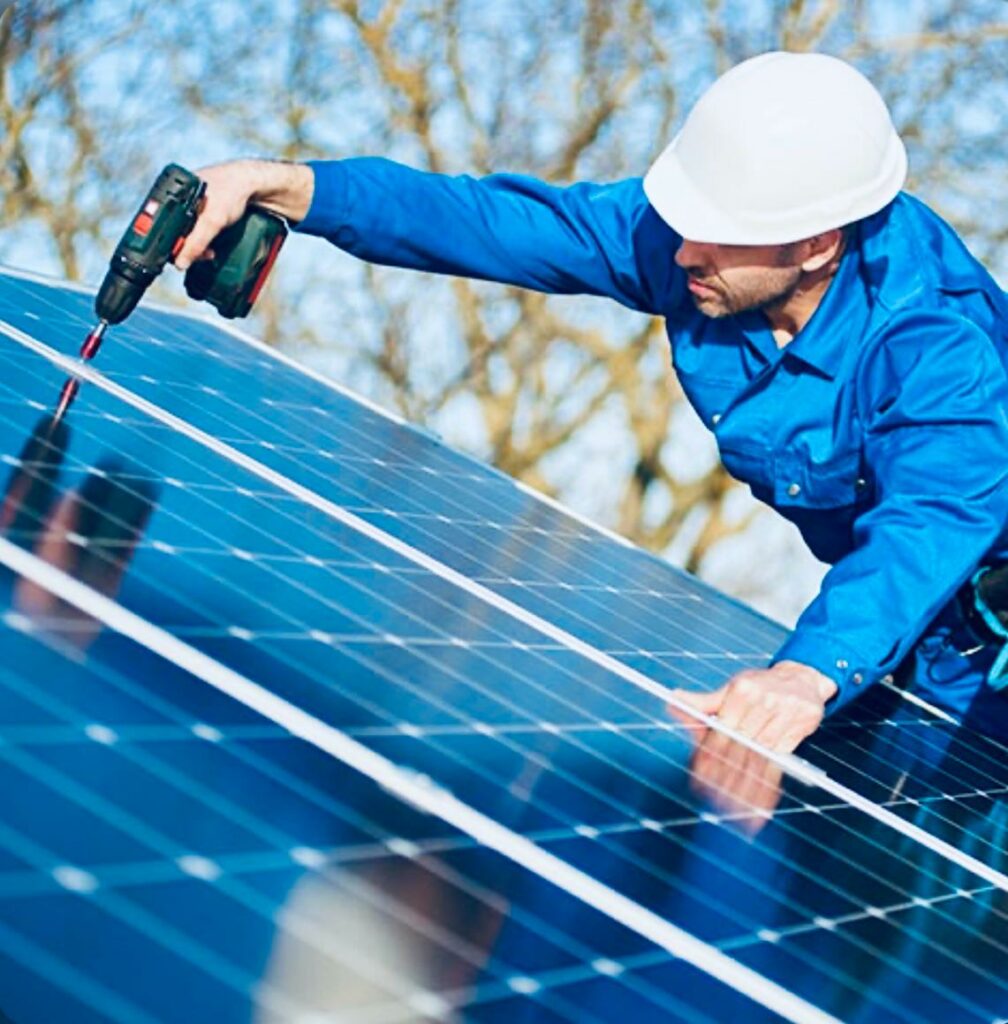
(934, 397)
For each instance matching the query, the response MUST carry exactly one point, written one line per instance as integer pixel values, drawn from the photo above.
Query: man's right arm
(585, 238)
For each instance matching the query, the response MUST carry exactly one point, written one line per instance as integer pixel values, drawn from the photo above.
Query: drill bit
(93, 341)
(72, 384)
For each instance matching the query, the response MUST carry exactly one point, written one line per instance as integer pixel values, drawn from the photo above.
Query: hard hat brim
(679, 202)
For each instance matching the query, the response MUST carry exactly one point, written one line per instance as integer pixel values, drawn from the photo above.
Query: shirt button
(860, 483)
(857, 677)
(716, 418)
(842, 663)
(794, 490)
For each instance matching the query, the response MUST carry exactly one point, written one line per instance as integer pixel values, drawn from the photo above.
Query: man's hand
(281, 188)
(777, 706)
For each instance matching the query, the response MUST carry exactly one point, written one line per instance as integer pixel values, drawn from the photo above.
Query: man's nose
(692, 255)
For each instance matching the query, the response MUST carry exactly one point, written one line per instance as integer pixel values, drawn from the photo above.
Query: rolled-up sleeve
(934, 395)
(584, 238)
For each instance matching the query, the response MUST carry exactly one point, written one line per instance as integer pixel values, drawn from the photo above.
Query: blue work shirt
(880, 430)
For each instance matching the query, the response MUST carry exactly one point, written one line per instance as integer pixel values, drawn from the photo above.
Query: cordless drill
(243, 255)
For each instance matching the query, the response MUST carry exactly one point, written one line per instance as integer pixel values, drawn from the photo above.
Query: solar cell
(893, 910)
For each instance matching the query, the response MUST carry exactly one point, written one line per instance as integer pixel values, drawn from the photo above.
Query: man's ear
(822, 249)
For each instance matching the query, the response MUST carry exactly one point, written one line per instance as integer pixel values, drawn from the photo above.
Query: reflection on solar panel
(306, 717)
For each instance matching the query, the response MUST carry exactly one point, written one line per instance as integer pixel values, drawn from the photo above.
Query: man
(835, 334)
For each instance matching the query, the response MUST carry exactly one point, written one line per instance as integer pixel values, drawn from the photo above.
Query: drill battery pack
(243, 255)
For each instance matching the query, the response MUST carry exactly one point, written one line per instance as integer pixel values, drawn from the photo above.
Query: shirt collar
(837, 322)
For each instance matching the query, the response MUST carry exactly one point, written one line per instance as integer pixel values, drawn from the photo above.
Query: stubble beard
(764, 289)
(768, 291)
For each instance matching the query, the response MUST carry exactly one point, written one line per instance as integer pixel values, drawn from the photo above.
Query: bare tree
(572, 395)
(61, 140)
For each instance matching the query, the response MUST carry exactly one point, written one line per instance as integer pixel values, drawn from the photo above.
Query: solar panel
(193, 860)
(270, 653)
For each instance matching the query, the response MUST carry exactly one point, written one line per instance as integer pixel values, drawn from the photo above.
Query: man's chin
(710, 306)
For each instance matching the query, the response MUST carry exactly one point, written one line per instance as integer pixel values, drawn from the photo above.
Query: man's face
(729, 279)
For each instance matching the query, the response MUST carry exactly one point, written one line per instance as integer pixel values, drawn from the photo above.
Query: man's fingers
(204, 231)
(735, 780)
(228, 190)
(743, 694)
(705, 703)
(792, 736)
(777, 707)
(761, 792)
(787, 729)
(756, 713)
(694, 729)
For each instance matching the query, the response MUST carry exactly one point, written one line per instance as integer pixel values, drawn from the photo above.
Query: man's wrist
(826, 688)
(829, 654)
(281, 187)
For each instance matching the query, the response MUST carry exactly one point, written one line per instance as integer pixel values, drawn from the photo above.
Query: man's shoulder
(915, 262)
(935, 310)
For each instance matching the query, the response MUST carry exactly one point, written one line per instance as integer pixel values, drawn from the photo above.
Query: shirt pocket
(838, 482)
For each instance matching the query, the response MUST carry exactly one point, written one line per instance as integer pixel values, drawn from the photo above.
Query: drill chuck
(122, 289)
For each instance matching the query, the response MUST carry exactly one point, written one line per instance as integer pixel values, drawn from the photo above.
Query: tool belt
(983, 603)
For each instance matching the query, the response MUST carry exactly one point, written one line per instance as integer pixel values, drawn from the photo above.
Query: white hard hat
(781, 147)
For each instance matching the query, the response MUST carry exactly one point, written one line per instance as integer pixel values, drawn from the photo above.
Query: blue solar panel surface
(160, 834)
(168, 856)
